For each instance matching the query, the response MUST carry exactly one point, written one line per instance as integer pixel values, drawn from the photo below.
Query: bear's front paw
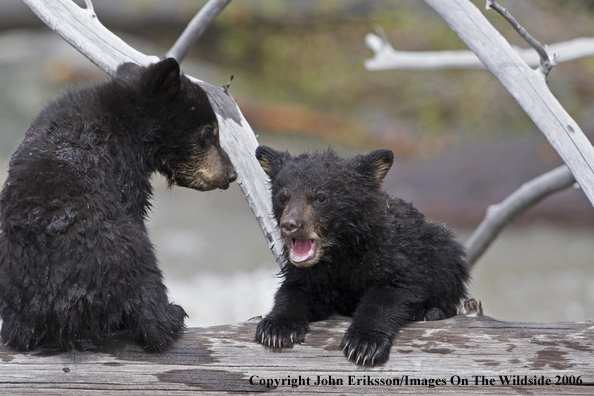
(366, 348)
(279, 333)
(157, 333)
(18, 335)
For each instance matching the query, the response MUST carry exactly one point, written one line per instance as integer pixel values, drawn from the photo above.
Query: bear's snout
(232, 174)
(289, 226)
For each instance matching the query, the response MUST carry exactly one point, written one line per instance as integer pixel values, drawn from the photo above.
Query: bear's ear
(375, 164)
(164, 78)
(271, 160)
(125, 70)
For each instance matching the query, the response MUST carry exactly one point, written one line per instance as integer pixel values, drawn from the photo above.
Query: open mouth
(302, 250)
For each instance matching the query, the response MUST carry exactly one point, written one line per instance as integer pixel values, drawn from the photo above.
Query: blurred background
(460, 140)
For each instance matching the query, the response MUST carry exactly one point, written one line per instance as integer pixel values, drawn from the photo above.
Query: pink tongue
(301, 246)
(302, 250)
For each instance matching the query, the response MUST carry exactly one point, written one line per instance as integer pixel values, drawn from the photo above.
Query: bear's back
(432, 251)
(73, 153)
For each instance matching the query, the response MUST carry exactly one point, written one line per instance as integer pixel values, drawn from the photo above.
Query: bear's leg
(156, 333)
(17, 334)
(378, 317)
(434, 314)
(288, 321)
(157, 323)
(138, 299)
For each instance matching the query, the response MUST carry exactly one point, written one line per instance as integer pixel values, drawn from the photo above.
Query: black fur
(375, 257)
(75, 258)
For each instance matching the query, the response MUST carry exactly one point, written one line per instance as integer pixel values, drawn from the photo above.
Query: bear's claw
(280, 334)
(366, 349)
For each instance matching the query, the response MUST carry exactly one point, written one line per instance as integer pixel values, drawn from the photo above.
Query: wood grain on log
(224, 359)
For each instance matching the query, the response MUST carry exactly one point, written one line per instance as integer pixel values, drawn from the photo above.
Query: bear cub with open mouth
(355, 250)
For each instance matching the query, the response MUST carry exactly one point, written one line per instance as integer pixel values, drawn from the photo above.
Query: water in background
(218, 267)
(216, 261)
(214, 257)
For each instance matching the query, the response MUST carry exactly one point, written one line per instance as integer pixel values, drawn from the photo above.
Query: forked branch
(82, 29)
(531, 92)
(492, 51)
(196, 28)
(547, 62)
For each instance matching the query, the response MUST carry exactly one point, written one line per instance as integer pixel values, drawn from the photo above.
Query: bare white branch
(534, 191)
(81, 28)
(196, 28)
(547, 61)
(499, 215)
(387, 58)
(525, 86)
(89, 5)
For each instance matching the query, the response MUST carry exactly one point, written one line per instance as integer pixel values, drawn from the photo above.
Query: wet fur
(381, 262)
(75, 258)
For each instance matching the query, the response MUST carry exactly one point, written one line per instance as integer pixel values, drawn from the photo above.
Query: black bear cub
(357, 251)
(75, 258)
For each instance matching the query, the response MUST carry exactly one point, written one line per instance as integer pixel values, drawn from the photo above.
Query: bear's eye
(282, 199)
(208, 133)
(321, 199)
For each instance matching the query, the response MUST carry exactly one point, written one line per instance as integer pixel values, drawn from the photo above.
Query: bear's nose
(288, 226)
(232, 175)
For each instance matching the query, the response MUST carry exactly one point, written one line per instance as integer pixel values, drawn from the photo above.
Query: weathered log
(468, 355)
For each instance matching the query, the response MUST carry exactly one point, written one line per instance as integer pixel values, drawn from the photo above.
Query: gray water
(218, 266)
(212, 252)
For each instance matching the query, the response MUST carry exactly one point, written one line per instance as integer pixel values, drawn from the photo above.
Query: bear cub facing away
(355, 250)
(75, 258)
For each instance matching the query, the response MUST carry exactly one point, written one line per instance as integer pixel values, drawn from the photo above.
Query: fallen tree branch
(387, 58)
(525, 86)
(82, 29)
(196, 28)
(499, 215)
(547, 62)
